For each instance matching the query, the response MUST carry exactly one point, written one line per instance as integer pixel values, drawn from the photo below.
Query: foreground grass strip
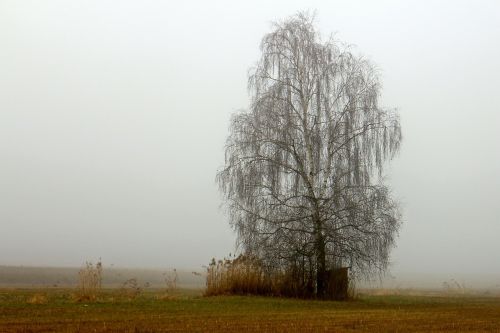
(151, 312)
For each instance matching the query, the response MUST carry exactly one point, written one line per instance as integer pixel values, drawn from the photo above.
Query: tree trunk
(320, 262)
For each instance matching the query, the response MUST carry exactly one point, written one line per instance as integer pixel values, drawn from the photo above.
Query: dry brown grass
(239, 276)
(245, 275)
(90, 281)
(37, 299)
(192, 313)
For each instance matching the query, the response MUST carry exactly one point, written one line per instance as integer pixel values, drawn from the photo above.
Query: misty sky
(114, 114)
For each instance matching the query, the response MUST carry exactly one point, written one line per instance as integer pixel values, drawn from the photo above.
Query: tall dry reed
(246, 275)
(242, 275)
(90, 281)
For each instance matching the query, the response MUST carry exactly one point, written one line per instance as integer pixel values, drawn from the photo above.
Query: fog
(113, 118)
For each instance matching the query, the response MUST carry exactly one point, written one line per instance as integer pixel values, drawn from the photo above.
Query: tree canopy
(303, 165)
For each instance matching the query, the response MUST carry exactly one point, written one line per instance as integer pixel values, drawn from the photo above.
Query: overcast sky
(113, 117)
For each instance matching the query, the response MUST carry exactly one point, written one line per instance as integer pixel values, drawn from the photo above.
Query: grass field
(57, 310)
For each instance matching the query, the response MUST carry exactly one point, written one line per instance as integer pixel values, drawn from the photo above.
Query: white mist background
(113, 118)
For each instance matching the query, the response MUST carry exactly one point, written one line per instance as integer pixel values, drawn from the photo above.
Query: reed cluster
(90, 281)
(242, 275)
(246, 275)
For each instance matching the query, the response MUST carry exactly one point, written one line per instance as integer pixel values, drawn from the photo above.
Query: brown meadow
(189, 311)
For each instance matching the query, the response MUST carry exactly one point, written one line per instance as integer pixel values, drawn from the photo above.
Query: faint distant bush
(199, 277)
(171, 280)
(90, 281)
(131, 288)
(454, 287)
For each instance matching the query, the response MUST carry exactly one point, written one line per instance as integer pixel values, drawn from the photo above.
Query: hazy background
(113, 117)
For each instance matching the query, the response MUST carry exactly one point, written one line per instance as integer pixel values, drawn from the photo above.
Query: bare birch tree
(303, 168)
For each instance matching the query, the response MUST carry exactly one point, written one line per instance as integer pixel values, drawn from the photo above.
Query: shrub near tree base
(243, 275)
(246, 275)
(338, 283)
